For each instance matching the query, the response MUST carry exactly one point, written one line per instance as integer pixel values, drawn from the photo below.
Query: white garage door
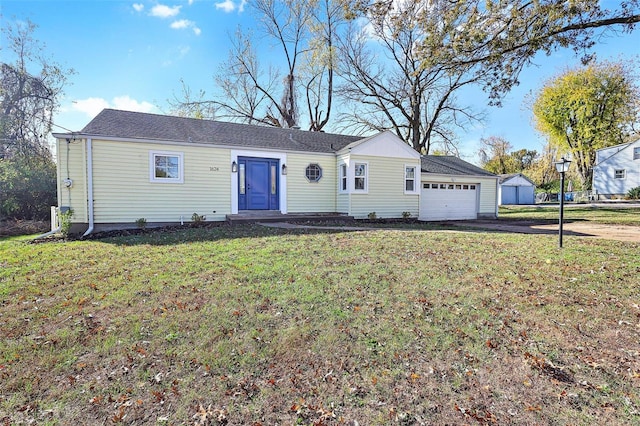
(448, 201)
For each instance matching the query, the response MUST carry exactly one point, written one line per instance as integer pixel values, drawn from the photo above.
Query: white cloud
(129, 104)
(163, 11)
(138, 7)
(181, 24)
(92, 106)
(227, 6)
(185, 23)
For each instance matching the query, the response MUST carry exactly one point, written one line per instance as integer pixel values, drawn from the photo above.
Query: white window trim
(366, 178)
(416, 180)
(341, 176)
(624, 173)
(152, 167)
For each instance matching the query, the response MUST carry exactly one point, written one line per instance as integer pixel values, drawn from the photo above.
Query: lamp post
(562, 167)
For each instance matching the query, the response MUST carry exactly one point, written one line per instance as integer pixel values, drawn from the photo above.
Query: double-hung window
(360, 181)
(636, 153)
(410, 184)
(619, 174)
(343, 178)
(166, 167)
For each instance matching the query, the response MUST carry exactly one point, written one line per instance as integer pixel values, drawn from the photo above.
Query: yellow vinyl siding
(385, 194)
(311, 197)
(488, 194)
(123, 191)
(72, 163)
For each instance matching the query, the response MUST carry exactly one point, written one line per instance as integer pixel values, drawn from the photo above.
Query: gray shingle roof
(136, 125)
(506, 177)
(450, 165)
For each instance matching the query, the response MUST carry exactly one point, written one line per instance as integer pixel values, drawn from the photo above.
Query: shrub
(634, 193)
(196, 218)
(28, 188)
(406, 215)
(141, 223)
(372, 216)
(65, 222)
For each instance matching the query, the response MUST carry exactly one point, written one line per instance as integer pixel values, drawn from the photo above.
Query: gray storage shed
(515, 189)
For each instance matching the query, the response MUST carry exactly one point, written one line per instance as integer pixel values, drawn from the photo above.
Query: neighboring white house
(124, 166)
(516, 188)
(616, 170)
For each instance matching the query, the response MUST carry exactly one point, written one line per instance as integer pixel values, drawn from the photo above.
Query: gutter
(89, 186)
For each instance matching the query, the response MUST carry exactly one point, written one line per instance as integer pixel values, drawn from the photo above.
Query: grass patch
(575, 213)
(251, 325)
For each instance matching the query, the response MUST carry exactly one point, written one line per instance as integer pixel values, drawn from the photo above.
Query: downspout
(53, 231)
(89, 186)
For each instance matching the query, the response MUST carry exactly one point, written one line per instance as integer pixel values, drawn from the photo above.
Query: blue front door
(258, 184)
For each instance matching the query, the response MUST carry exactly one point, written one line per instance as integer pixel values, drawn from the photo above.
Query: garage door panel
(440, 201)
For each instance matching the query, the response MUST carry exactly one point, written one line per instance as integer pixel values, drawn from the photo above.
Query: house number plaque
(214, 169)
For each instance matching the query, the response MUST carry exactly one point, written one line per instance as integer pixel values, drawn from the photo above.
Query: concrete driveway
(576, 228)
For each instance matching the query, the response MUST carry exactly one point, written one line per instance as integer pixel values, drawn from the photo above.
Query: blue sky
(132, 54)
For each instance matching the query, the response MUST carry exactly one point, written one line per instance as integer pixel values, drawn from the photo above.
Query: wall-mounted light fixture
(284, 169)
(234, 167)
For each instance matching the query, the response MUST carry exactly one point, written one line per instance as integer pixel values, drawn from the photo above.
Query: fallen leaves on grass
(547, 367)
(210, 416)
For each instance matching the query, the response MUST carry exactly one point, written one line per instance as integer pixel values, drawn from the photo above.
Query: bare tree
(500, 38)
(303, 35)
(27, 100)
(388, 83)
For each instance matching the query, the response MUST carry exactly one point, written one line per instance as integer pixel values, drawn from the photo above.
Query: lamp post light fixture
(562, 167)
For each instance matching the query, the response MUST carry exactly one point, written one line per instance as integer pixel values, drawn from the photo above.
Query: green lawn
(249, 325)
(573, 212)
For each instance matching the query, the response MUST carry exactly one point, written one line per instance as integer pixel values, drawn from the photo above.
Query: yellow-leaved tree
(586, 109)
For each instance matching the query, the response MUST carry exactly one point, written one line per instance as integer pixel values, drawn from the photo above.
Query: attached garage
(442, 201)
(452, 189)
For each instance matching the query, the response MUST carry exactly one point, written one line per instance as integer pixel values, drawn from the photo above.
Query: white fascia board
(389, 142)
